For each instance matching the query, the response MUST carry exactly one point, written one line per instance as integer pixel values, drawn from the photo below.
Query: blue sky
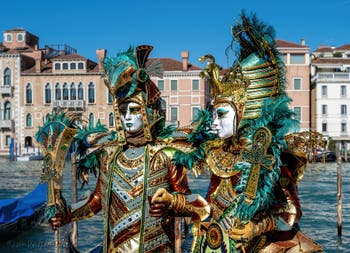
(172, 26)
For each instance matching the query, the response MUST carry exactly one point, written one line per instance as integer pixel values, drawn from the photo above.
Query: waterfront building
(35, 81)
(297, 60)
(330, 80)
(184, 92)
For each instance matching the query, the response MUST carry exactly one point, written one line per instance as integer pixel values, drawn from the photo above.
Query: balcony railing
(69, 104)
(6, 90)
(6, 124)
(332, 76)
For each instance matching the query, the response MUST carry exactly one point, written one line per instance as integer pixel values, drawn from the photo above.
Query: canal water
(317, 191)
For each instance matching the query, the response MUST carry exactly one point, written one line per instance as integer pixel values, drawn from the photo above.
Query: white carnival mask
(224, 120)
(131, 117)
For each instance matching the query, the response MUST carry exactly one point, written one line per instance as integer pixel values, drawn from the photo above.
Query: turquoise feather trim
(278, 118)
(87, 162)
(198, 137)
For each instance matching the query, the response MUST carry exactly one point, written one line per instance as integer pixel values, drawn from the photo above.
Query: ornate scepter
(54, 139)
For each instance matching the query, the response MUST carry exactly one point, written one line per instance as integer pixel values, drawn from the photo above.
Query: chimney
(101, 55)
(184, 55)
(302, 42)
(37, 57)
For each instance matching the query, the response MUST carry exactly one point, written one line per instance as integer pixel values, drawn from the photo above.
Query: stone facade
(35, 81)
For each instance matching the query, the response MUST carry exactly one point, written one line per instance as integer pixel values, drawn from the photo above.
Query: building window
(160, 84)
(8, 37)
(343, 110)
(73, 92)
(324, 127)
(343, 91)
(173, 114)
(91, 93)
(65, 91)
(283, 58)
(297, 59)
(7, 111)
(65, 65)
(20, 37)
(324, 109)
(80, 65)
(57, 92)
(173, 85)
(29, 120)
(7, 76)
(48, 93)
(80, 91)
(7, 140)
(110, 97)
(343, 127)
(195, 84)
(324, 91)
(111, 119)
(73, 65)
(297, 83)
(57, 66)
(29, 95)
(163, 107)
(195, 111)
(297, 113)
(91, 120)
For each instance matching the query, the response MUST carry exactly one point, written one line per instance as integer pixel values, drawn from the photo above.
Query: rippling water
(317, 191)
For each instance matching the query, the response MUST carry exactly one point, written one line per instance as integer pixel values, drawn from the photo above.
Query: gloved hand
(164, 197)
(245, 232)
(60, 219)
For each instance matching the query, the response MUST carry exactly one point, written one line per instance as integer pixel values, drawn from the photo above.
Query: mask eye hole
(135, 110)
(221, 113)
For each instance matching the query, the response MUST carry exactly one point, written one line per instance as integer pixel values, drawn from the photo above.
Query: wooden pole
(339, 187)
(74, 236)
(177, 230)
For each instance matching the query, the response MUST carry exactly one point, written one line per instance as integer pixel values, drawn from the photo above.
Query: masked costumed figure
(133, 162)
(254, 205)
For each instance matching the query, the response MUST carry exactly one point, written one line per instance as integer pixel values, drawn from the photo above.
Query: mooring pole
(177, 225)
(74, 236)
(339, 187)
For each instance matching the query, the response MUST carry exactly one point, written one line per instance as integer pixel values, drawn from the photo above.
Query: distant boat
(30, 157)
(20, 214)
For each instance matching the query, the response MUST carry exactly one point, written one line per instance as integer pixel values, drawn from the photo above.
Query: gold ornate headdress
(127, 79)
(256, 76)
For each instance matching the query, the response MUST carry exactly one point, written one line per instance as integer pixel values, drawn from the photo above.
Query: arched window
(73, 92)
(58, 91)
(29, 120)
(110, 97)
(80, 91)
(47, 93)
(29, 95)
(65, 91)
(111, 119)
(8, 37)
(7, 111)
(91, 93)
(91, 120)
(57, 66)
(7, 76)
(80, 65)
(65, 65)
(28, 141)
(19, 37)
(73, 65)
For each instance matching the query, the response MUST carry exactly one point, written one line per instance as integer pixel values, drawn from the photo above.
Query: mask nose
(127, 114)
